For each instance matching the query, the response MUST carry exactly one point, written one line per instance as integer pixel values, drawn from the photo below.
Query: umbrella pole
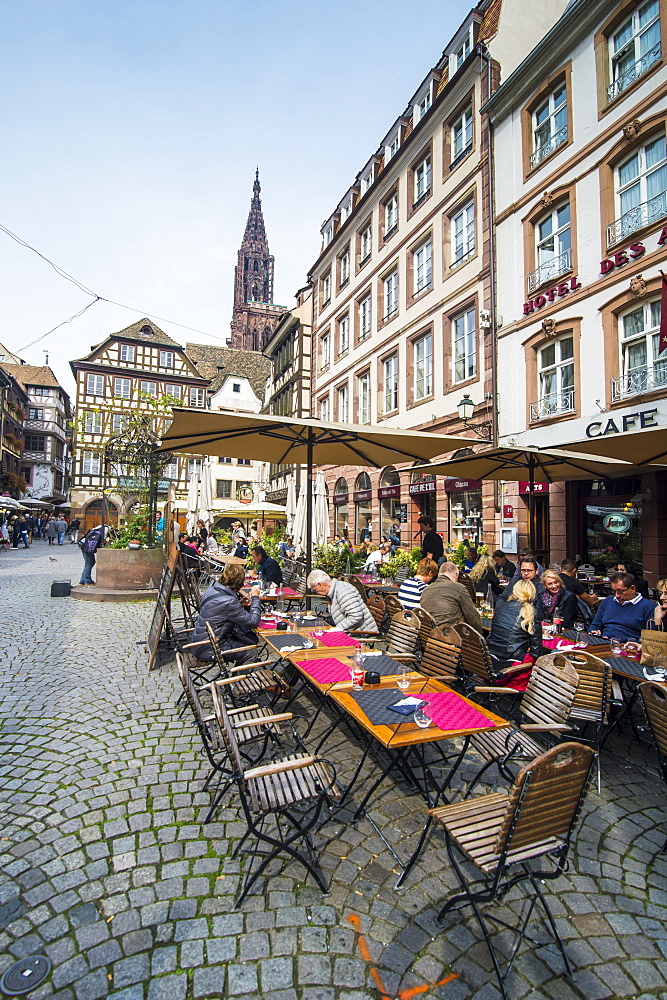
(531, 504)
(309, 510)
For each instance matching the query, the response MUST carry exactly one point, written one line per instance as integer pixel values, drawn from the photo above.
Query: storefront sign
(340, 498)
(618, 524)
(278, 496)
(557, 292)
(403, 517)
(453, 485)
(427, 487)
(537, 488)
(508, 512)
(622, 257)
(360, 495)
(616, 425)
(389, 492)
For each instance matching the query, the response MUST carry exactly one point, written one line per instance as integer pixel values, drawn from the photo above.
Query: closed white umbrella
(290, 506)
(299, 531)
(320, 512)
(193, 491)
(205, 494)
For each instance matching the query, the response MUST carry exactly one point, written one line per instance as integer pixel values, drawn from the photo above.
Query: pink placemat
(449, 712)
(288, 592)
(333, 638)
(267, 624)
(328, 670)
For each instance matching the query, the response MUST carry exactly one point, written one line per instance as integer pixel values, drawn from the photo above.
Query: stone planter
(129, 569)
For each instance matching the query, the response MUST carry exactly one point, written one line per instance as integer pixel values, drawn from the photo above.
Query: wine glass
(616, 646)
(402, 678)
(580, 642)
(422, 716)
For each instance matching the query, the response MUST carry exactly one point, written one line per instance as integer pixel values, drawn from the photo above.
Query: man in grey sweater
(347, 607)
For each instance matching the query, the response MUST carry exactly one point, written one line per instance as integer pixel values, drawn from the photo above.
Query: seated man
(448, 601)
(381, 554)
(504, 566)
(625, 613)
(348, 610)
(524, 556)
(232, 616)
(410, 591)
(268, 569)
(528, 570)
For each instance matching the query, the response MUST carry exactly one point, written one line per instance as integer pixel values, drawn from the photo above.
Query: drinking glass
(422, 716)
(616, 646)
(660, 664)
(402, 678)
(580, 642)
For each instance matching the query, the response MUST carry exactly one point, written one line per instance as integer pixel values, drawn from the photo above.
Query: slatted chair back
(545, 799)
(403, 634)
(593, 691)
(442, 655)
(210, 732)
(551, 690)
(393, 606)
(475, 655)
(654, 696)
(426, 624)
(401, 574)
(288, 572)
(358, 586)
(376, 606)
(299, 585)
(469, 586)
(227, 731)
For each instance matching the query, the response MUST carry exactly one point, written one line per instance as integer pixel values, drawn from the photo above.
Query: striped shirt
(410, 592)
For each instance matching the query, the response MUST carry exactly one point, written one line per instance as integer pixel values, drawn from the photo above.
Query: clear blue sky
(131, 130)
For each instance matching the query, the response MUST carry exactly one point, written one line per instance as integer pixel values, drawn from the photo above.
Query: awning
(234, 508)
(642, 447)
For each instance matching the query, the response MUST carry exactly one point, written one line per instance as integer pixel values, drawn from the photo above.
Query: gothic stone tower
(255, 315)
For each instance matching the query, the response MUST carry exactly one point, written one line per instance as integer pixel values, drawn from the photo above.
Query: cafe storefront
(465, 509)
(389, 495)
(363, 508)
(341, 508)
(423, 495)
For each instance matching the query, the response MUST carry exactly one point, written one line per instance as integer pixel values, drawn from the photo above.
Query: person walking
(21, 532)
(51, 531)
(89, 545)
(61, 529)
(74, 526)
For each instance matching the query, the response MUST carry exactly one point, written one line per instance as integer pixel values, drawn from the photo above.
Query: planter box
(129, 569)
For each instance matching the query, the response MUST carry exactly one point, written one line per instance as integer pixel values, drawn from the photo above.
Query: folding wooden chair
(426, 624)
(402, 637)
(401, 574)
(507, 834)
(654, 697)
(376, 605)
(546, 704)
(282, 803)
(596, 692)
(470, 587)
(442, 656)
(393, 605)
(248, 680)
(358, 586)
(476, 659)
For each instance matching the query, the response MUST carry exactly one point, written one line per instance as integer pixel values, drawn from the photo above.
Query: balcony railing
(548, 147)
(639, 381)
(553, 404)
(550, 270)
(632, 74)
(636, 218)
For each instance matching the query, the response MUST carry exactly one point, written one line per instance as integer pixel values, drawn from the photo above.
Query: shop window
(634, 47)
(640, 190)
(465, 515)
(341, 508)
(390, 507)
(555, 379)
(550, 126)
(363, 509)
(643, 368)
(553, 247)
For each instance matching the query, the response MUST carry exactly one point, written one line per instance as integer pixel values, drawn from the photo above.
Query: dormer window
(346, 210)
(328, 233)
(148, 331)
(391, 149)
(422, 106)
(460, 53)
(366, 181)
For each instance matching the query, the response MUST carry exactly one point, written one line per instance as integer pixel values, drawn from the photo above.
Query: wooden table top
(407, 734)
(307, 633)
(345, 655)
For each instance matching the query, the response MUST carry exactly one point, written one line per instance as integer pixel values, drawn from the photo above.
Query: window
(364, 394)
(390, 215)
(324, 408)
(243, 461)
(345, 268)
(344, 334)
(634, 47)
(326, 289)
(554, 247)
(95, 385)
(422, 106)
(174, 391)
(423, 349)
(236, 386)
(462, 135)
(166, 359)
(326, 350)
(197, 396)
(223, 489)
(366, 181)
(346, 211)
(127, 352)
(461, 54)
(342, 402)
(119, 422)
(465, 346)
(391, 295)
(149, 387)
(423, 179)
(35, 413)
(555, 366)
(641, 190)
(170, 471)
(391, 384)
(391, 149)
(423, 266)
(34, 442)
(365, 244)
(549, 125)
(225, 461)
(463, 233)
(194, 467)
(644, 369)
(92, 422)
(90, 465)
(40, 390)
(365, 316)
(121, 388)
(328, 234)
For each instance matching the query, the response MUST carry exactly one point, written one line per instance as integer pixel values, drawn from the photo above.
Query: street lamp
(465, 410)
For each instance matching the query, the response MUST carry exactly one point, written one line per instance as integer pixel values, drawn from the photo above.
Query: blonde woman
(660, 613)
(556, 601)
(516, 630)
(483, 574)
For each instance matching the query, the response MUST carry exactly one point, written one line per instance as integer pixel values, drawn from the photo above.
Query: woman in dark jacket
(515, 629)
(483, 575)
(231, 616)
(556, 601)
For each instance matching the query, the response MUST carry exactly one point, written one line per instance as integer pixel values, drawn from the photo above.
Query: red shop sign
(340, 498)
(508, 512)
(389, 493)
(360, 495)
(427, 487)
(453, 485)
(537, 488)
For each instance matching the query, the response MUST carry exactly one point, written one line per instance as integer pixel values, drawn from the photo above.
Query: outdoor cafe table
(404, 740)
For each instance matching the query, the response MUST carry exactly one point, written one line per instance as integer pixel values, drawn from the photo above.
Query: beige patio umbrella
(641, 447)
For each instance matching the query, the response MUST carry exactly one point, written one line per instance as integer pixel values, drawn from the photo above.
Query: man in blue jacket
(624, 614)
(268, 569)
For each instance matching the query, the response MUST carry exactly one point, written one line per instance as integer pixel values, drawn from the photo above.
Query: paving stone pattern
(107, 868)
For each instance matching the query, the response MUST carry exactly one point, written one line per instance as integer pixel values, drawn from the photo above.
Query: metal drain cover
(25, 975)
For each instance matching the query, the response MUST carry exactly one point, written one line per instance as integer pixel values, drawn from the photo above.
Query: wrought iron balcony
(637, 217)
(548, 147)
(552, 405)
(632, 74)
(550, 270)
(639, 381)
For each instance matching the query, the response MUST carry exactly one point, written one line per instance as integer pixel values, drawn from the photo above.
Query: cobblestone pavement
(107, 868)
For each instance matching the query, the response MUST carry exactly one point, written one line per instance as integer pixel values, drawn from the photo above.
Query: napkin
(406, 706)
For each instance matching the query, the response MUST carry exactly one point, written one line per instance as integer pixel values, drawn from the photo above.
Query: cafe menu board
(161, 611)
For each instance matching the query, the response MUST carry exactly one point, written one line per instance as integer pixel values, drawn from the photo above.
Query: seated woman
(556, 600)
(627, 566)
(410, 591)
(515, 629)
(483, 575)
(233, 616)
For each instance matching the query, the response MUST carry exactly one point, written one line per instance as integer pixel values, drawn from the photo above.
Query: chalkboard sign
(189, 596)
(161, 609)
(403, 518)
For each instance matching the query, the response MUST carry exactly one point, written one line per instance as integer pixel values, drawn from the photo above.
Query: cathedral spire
(254, 230)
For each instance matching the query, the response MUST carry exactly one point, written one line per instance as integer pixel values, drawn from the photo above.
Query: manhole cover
(25, 975)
